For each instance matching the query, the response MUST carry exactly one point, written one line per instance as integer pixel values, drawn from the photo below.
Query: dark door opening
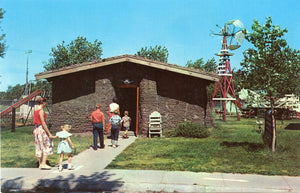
(128, 100)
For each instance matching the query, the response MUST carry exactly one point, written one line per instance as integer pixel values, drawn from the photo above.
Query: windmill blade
(239, 37)
(218, 26)
(231, 34)
(214, 34)
(230, 41)
(238, 23)
(230, 22)
(233, 29)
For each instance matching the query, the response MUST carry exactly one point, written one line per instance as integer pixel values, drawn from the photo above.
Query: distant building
(141, 85)
(289, 101)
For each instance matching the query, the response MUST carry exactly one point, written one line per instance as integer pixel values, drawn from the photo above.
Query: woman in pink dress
(42, 136)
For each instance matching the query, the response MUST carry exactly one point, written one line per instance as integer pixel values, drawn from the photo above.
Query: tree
(2, 42)
(78, 51)
(197, 64)
(209, 66)
(157, 53)
(43, 85)
(271, 66)
(15, 92)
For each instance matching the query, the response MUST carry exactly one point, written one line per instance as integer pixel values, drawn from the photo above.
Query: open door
(128, 96)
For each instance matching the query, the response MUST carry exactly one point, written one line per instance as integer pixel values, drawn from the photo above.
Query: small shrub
(189, 129)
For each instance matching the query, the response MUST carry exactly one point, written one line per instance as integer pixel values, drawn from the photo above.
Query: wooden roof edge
(179, 69)
(77, 68)
(174, 66)
(132, 58)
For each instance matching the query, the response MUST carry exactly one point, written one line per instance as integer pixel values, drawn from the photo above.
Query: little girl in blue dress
(65, 146)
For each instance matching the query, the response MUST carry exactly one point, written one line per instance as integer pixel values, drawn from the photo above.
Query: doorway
(128, 98)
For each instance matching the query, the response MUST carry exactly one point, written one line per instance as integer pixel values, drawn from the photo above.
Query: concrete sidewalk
(90, 175)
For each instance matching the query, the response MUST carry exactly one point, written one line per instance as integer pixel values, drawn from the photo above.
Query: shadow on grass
(95, 182)
(246, 145)
(293, 126)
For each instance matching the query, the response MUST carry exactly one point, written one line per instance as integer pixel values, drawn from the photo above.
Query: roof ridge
(126, 57)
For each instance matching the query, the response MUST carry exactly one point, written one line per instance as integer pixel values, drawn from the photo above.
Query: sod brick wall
(177, 97)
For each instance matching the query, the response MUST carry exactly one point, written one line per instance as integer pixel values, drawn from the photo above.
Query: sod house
(141, 86)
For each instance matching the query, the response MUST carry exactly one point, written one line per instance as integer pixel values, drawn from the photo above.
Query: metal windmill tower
(234, 32)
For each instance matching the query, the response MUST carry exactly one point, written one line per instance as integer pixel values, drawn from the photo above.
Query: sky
(125, 26)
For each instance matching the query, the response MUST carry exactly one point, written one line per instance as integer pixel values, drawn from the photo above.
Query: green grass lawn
(17, 148)
(235, 147)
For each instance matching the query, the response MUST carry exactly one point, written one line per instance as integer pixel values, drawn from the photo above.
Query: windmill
(233, 34)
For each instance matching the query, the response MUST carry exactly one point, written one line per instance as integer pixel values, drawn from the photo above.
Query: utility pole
(26, 85)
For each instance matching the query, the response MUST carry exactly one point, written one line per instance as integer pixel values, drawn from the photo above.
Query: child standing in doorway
(65, 146)
(126, 124)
